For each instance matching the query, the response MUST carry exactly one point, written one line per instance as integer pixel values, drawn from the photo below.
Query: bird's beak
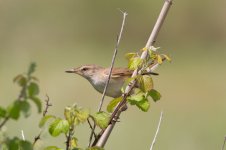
(71, 70)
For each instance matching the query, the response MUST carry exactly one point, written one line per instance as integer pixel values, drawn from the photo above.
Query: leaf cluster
(29, 90)
(73, 116)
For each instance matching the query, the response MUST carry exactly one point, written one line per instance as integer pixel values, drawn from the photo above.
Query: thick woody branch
(106, 133)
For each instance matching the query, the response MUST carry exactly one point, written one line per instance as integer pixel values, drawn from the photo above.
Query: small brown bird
(98, 76)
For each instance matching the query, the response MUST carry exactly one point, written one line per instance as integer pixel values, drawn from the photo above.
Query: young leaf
(147, 83)
(134, 63)
(136, 97)
(33, 89)
(74, 142)
(130, 55)
(102, 118)
(37, 102)
(155, 95)
(144, 105)
(167, 57)
(58, 126)
(14, 110)
(45, 119)
(113, 103)
(81, 116)
(159, 59)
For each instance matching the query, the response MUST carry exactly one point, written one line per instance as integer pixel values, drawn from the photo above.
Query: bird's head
(86, 71)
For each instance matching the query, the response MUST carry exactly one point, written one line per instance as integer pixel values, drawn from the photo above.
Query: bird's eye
(84, 69)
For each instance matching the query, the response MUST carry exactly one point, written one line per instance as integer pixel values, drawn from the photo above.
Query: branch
(106, 133)
(110, 71)
(113, 59)
(157, 131)
(223, 143)
(4, 121)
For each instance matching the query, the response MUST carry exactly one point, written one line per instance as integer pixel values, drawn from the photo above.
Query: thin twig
(38, 137)
(223, 143)
(113, 59)
(47, 106)
(110, 71)
(92, 131)
(106, 133)
(4, 122)
(157, 131)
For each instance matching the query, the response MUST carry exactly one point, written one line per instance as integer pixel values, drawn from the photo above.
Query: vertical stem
(106, 133)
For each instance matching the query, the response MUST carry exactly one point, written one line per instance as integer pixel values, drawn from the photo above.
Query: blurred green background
(58, 35)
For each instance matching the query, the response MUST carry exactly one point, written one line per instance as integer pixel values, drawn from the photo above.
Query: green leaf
(130, 55)
(102, 119)
(37, 102)
(58, 126)
(25, 145)
(134, 63)
(45, 119)
(53, 148)
(144, 105)
(14, 110)
(13, 143)
(147, 83)
(31, 68)
(154, 94)
(2, 112)
(139, 100)
(81, 116)
(25, 108)
(33, 89)
(136, 97)
(95, 148)
(113, 103)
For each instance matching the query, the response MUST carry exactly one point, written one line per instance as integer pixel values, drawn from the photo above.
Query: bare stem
(106, 133)
(157, 131)
(113, 59)
(110, 71)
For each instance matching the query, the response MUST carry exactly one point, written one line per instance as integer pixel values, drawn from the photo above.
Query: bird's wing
(119, 72)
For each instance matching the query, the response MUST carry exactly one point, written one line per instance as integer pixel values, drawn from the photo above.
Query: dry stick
(223, 143)
(157, 131)
(106, 133)
(113, 60)
(110, 72)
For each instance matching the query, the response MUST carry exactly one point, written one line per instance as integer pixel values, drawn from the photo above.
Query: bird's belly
(113, 90)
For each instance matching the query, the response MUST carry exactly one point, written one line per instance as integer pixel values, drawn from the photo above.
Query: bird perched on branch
(98, 77)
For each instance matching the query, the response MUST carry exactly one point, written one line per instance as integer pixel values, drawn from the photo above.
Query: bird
(98, 77)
